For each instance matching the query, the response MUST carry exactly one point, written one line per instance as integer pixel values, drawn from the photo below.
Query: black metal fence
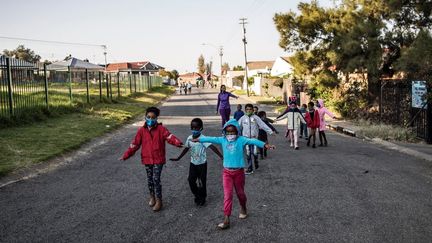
(25, 86)
(396, 108)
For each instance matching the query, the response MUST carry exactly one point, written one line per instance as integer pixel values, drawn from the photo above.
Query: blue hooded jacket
(232, 150)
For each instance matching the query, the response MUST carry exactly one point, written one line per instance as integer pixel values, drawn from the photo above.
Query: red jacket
(312, 123)
(152, 144)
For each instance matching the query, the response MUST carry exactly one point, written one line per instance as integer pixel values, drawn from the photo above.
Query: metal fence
(25, 86)
(396, 108)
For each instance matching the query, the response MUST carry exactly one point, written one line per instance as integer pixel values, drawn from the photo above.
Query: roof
(286, 59)
(260, 65)
(73, 63)
(137, 66)
(190, 75)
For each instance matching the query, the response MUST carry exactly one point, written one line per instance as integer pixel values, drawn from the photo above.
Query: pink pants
(234, 178)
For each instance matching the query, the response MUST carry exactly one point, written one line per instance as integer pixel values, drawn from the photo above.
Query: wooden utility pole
(243, 23)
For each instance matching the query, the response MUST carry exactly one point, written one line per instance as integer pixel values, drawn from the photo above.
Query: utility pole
(221, 54)
(243, 23)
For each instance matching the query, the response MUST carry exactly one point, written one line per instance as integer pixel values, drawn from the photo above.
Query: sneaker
(296, 148)
(320, 145)
(291, 145)
(313, 146)
(248, 172)
(301, 136)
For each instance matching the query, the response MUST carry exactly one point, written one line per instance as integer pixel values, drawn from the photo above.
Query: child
(151, 138)
(303, 126)
(294, 117)
(262, 135)
(233, 163)
(239, 113)
(322, 111)
(198, 166)
(313, 122)
(249, 125)
(255, 110)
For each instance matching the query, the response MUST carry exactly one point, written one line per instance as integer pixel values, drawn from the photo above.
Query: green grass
(24, 145)
(385, 132)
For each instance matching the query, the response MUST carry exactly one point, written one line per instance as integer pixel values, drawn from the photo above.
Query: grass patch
(386, 132)
(27, 144)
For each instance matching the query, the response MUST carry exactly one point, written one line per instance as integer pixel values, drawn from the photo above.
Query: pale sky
(167, 32)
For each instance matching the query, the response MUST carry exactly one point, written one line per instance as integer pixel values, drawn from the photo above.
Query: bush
(278, 83)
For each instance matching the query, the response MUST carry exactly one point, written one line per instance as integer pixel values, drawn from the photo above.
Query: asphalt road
(351, 191)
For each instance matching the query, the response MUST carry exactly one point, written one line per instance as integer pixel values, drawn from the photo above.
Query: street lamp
(220, 48)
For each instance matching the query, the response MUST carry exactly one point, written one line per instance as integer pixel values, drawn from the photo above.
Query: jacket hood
(232, 122)
(321, 102)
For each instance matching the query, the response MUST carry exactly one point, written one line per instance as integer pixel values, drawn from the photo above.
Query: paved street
(351, 191)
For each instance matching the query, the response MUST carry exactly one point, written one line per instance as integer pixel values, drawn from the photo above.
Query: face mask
(318, 105)
(231, 137)
(150, 122)
(249, 113)
(196, 133)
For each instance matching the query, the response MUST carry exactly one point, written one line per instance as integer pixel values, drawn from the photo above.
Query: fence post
(70, 83)
(118, 84)
(130, 82)
(429, 123)
(134, 77)
(9, 80)
(100, 86)
(110, 87)
(46, 85)
(107, 86)
(87, 86)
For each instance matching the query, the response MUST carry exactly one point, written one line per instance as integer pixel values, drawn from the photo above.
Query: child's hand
(121, 158)
(268, 146)
(174, 159)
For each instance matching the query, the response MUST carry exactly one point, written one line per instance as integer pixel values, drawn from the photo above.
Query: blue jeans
(251, 152)
(303, 130)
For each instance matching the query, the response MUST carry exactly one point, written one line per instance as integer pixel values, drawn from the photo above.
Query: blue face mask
(318, 105)
(196, 133)
(151, 122)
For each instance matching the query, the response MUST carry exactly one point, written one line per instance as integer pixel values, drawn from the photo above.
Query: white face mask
(231, 137)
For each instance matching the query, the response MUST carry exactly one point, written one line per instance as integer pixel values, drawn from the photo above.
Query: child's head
(152, 114)
(231, 130)
(255, 109)
(249, 109)
(239, 107)
(262, 114)
(293, 104)
(304, 106)
(222, 88)
(197, 124)
(311, 105)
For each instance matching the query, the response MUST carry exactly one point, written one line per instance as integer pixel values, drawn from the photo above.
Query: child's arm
(204, 139)
(171, 139)
(272, 127)
(281, 115)
(185, 150)
(329, 113)
(263, 126)
(218, 103)
(258, 143)
(234, 96)
(134, 146)
(216, 151)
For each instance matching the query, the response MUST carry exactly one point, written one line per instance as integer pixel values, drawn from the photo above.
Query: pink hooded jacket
(322, 111)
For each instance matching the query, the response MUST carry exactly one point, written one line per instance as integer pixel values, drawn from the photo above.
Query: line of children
(249, 126)
(322, 110)
(198, 167)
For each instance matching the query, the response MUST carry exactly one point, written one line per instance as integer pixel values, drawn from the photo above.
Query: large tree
(353, 36)
(225, 68)
(22, 53)
(201, 64)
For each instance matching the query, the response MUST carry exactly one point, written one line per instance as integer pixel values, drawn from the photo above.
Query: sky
(166, 32)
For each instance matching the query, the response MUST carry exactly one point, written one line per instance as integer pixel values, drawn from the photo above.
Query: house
(143, 68)
(281, 67)
(234, 79)
(256, 68)
(190, 77)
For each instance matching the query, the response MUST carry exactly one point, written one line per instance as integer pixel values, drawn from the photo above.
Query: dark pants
(153, 179)
(303, 130)
(225, 115)
(251, 153)
(198, 181)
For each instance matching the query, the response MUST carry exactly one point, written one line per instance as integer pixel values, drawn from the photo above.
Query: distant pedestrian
(185, 88)
(239, 113)
(151, 139)
(198, 167)
(223, 106)
(255, 110)
(189, 87)
(262, 134)
(322, 112)
(313, 122)
(249, 127)
(294, 117)
(233, 174)
(303, 126)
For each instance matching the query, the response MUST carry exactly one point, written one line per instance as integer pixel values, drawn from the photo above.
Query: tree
(225, 68)
(238, 68)
(209, 67)
(201, 65)
(22, 53)
(175, 74)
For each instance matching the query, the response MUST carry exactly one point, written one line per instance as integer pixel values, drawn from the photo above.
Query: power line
(54, 42)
